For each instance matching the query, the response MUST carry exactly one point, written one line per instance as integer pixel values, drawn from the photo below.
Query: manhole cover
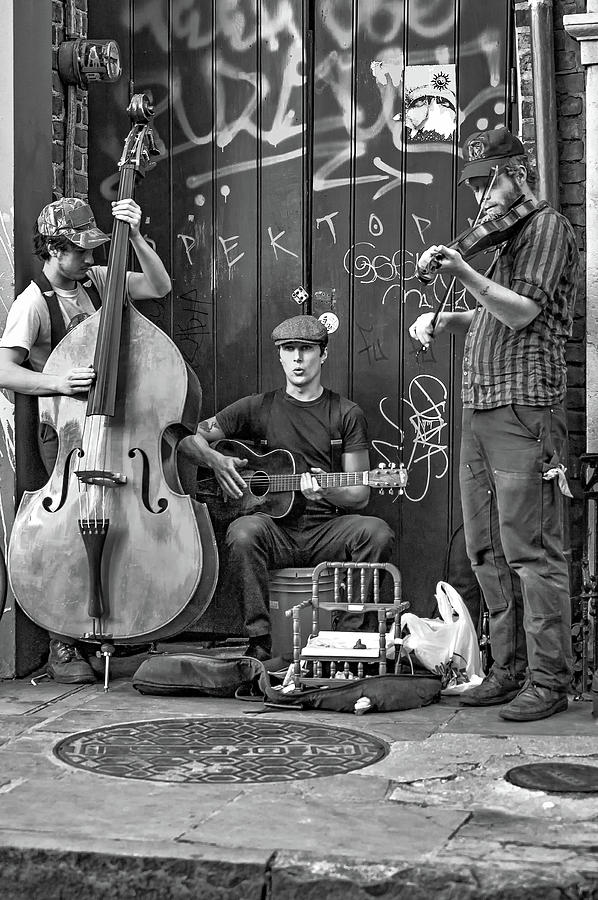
(555, 777)
(219, 750)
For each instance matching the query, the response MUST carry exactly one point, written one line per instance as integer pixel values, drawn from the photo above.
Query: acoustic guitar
(271, 481)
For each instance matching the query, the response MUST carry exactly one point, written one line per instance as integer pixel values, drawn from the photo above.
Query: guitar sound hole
(259, 484)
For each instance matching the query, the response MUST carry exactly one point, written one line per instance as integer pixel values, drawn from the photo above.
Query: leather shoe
(67, 666)
(535, 702)
(260, 648)
(491, 692)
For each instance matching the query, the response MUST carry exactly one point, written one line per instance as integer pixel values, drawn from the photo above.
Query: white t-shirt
(28, 320)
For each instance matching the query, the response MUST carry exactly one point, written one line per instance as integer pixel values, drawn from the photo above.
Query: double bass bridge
(101, 477)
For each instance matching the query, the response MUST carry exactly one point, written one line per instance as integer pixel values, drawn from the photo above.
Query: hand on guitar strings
(226, 471)
(310, 486)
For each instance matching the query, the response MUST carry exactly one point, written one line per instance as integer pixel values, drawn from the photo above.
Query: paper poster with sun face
(430, 103)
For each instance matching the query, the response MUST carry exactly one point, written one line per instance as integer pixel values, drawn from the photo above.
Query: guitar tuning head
(382, 466)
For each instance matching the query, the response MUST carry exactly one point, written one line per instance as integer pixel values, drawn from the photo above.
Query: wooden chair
(341, 658)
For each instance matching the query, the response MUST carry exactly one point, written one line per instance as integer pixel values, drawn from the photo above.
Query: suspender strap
(336, 439)
(57, 327)
(92, 292)
(264, 416)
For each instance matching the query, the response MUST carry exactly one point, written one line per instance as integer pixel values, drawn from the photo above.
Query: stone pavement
(434, 818)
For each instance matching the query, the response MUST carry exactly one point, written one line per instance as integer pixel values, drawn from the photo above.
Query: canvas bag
(247, 678)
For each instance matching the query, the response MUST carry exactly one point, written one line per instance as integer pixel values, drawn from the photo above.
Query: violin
(483, 236)
(111, 550)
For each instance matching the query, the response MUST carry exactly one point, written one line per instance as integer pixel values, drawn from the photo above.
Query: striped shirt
(503, 366)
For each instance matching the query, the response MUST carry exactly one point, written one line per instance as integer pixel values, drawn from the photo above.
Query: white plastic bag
(436, 643)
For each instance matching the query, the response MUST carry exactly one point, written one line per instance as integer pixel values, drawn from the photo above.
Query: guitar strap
(57, 327)
(336, 438)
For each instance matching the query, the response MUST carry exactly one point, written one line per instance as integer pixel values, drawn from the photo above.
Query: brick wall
(570, 86)
(69, 104)
(570, 90)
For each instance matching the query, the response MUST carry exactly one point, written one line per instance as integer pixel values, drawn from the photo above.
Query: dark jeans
(514, 534)
(255, 544)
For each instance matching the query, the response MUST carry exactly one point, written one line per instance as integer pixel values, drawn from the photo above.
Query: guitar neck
(278, 483)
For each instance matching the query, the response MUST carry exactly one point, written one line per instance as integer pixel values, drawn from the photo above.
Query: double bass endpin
(106, 650)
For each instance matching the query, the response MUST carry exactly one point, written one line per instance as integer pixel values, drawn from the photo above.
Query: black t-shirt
(302, 427)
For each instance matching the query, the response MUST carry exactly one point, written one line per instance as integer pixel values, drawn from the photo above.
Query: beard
(509, 198)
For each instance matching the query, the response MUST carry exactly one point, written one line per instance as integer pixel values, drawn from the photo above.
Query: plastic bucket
(288, 588)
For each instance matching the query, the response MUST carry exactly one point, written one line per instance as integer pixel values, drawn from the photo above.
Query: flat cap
(306, 329)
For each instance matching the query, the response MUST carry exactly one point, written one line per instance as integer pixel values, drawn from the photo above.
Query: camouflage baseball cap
(486, 149)
(306, 329)
(72, 218)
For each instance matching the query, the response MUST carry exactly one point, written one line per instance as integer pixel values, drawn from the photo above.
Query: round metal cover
(227, 751)
(569, 778)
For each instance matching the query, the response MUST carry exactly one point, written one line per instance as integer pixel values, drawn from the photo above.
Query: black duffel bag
(247, 678)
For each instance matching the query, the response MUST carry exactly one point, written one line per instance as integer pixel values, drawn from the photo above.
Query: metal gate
(313, 144)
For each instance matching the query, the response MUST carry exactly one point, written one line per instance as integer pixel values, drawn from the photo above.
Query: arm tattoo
(485, 290)
(207, 425)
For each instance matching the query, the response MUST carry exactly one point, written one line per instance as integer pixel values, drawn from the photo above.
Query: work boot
(535, 702)
(491, 691)
(67, 666)
(260, 647)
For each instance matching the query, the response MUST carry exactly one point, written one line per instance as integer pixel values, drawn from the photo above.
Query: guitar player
(324, 523)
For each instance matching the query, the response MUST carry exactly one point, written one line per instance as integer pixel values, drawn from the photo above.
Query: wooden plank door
(396, 88)
(314, 144)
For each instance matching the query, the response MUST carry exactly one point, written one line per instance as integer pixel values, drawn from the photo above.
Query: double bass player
(70, 286)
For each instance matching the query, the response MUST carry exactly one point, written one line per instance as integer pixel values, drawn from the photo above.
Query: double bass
(111, 549)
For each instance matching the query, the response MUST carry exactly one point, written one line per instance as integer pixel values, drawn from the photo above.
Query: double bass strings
(92, 493)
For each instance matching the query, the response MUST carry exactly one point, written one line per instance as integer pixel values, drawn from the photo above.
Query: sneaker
(535, 702)
(491, 692)
(67, 666)
(260, 648)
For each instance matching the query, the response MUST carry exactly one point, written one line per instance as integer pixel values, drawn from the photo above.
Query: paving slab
(432, 818)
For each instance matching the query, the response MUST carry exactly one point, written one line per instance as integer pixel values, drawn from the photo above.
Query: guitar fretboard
(292, 482)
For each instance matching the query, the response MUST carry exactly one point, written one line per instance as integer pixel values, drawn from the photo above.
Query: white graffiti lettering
(228, 246)
(276, 246)
(428, 422)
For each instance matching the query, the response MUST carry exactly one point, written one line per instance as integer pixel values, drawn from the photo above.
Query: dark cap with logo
(72, 218)
(306, 329)
(486, 149)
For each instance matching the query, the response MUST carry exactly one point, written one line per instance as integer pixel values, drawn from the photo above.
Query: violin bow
(492, 176)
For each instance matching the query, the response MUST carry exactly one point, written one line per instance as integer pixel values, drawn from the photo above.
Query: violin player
(69, 286)
(324, 523)
(514, 433)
